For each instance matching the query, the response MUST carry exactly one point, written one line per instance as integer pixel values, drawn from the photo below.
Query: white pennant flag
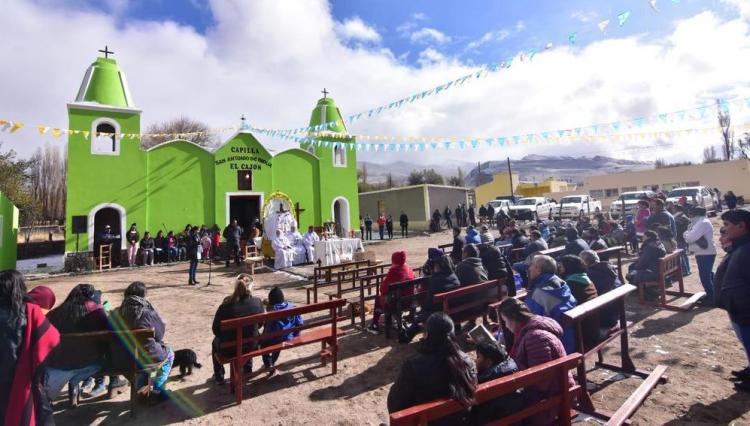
(603, 25)
(653, 5)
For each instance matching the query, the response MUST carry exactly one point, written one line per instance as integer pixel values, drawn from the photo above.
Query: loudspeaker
(80, 224)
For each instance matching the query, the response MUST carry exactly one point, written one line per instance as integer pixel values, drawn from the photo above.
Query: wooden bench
(324, 274)
(608, 253)
(516, 254)
(339, 278)
(554, 252)
(575, 318)
(445, 246)
(418, 286)
(326, 332)
(470, 302)
(670, 266)
(131, 343)
(561, 403)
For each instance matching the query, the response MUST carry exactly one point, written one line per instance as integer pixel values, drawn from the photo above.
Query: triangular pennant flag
(501, 141)
(489, 141)
(516, 139)
(3, 122)
(653, 5)
(434, 146)
(16, 125)
(603, 25)
(85, 133)
(474, 143)
(42, 129)
(572, 38)
(55, 133)
(623, 17)
(447, 145)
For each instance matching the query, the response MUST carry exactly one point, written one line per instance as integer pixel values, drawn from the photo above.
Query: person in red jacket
(398, 272)
(381, 225)
(536, 340)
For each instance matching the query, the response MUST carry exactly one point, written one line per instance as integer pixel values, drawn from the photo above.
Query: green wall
(296, 173)
(243, 152)
(180, 186)
(96, 179)
(9, 232)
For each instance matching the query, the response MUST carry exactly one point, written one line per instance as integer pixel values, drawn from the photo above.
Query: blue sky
(216, 60)
(508, 26)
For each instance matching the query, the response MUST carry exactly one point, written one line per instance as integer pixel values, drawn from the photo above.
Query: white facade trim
(112, 122)
(92, 213)
(345, 214)
(101, 107)
(229, 196)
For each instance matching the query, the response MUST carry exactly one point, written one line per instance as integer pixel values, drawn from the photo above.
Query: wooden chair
(326, 332)
(670, 266)
(443, 247)
(253, 259)
(104, 260)
(575, 318)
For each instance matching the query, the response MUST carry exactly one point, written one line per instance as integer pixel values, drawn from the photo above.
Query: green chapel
(113, 181)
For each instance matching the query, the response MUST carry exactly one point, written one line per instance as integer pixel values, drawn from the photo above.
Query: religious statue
(278, 217)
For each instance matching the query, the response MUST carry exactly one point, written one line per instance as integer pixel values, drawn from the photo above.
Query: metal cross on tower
(106, 52)
(325, 92)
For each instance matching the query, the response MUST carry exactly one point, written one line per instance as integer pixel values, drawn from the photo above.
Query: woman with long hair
(438, 369)
(26, 340)
(132, 237)
(240, 303)
(75, 361)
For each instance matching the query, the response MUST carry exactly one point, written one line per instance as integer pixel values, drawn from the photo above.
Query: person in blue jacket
(276, 302)
(472, 236)
(550, 296)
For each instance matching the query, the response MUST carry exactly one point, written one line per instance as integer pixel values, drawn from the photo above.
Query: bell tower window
(105, 137)
(339, 156)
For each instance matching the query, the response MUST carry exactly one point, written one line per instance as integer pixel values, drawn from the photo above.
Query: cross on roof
(324, 92)
(106, 52)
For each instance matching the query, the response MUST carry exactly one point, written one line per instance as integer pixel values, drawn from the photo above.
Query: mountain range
(531, 168)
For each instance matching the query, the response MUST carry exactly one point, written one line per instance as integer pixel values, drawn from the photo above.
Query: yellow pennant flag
(42, 129)
(16, 125)
(56, 133)
(3, 122)
(85, 133)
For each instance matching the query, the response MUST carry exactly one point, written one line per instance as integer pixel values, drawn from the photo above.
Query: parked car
(498, 205)
(696, 195)
(573, 206)
(627, 202)
(533, 208)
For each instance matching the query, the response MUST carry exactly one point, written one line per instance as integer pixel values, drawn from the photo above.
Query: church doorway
(102, 218)
(341, 216)
(244, 208)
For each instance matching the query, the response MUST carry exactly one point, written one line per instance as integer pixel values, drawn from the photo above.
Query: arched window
(339, 155)
(105, 137)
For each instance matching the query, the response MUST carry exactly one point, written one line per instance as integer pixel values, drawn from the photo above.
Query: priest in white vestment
(284, 253)
(309, 240)
(297, 244)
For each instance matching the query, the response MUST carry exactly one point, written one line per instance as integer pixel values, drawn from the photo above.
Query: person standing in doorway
(368, 227)
(133, 238)
(232, 235)
(381, 225)
(404, 222)
(389, 226)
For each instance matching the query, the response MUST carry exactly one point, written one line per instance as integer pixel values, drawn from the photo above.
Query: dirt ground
(699, 347)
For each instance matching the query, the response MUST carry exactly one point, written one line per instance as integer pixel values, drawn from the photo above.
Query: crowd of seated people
(171, 247)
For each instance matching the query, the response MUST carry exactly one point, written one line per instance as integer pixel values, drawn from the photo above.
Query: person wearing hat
(700, 239)
(486, 236)
(43, 297)
(732, 283)
(660, 216)
(276, 302)
(441, 279)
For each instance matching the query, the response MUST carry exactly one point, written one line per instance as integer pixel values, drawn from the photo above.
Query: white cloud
(430, 56)
(357, 30)
(418, 16)
(742, 6)
(491, 36)
(429, 35)
(270, 59)
(520, 26)
(584, 17)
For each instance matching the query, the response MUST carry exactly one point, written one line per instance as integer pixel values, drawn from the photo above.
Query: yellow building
(500, 185)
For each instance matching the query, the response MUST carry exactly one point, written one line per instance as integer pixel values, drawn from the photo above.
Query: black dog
(186, 359)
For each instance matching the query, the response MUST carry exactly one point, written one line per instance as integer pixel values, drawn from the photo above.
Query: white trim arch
(92, 136)
(92, 213)
(345, 215)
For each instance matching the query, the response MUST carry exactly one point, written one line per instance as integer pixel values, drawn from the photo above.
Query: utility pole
(510, 177)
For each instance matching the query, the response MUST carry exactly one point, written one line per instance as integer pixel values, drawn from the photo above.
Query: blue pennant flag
(369, 113)
(561, 133)
(421, 147)
(623, 17)
(639, 121)
(530, 137)
(493, 67)
(724, 106)
(474, 143)
(447, 145)
(681, 114)
(545, 135)
(595, 128)
(489, 141)
(572, 38)
(578, 131)
(434, 146)
(516, 139)
(616, 126)
(532, 53)
(501, 141)
(663, 117)
(461, 144)
(702, 111)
